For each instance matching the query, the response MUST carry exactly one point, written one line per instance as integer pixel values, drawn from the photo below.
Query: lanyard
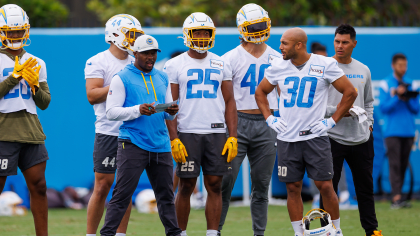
(151, 81)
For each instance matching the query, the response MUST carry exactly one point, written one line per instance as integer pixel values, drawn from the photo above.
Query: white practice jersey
(304, 93)
(20, 97)
(201, 103)
(248, 72)
(105, 65)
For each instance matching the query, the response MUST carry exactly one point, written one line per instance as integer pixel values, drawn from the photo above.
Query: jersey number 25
(199, 80)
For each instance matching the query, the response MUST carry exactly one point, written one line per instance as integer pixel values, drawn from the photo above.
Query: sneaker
(218, 233)
(338, 232)
(400, 204)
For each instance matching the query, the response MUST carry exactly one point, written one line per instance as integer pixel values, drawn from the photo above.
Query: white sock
(184, 233)
(336, 223)
(211, 232)
(90, 234)
(120, 234)
(297, 227)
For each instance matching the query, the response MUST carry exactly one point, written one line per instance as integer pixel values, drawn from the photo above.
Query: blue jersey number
(298, 91)
(199, 80)
(15, 94)
(252, 83)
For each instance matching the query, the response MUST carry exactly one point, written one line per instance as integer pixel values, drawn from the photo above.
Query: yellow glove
(18, 69)
(178, 151)
(31, 75)
(232, 145)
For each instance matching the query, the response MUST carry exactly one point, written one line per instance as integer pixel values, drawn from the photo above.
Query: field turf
(238, 223)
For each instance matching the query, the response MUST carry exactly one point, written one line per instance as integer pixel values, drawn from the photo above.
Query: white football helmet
(146, 202)
(9, 202)
(253, 23)
(117, 27)
(198, 21)
(14, 21)
(328, 230)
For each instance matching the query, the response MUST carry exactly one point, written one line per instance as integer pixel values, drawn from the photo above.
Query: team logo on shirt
(317, 71)
(217, 64)
(110, 92)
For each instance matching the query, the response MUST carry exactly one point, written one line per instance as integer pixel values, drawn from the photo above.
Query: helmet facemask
(200, 45)
(15, 43)
(130, 37)
(255, 31)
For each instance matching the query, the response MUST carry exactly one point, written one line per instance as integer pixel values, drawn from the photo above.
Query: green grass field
(238, 222)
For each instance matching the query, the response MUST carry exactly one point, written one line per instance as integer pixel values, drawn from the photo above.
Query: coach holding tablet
(143, 141)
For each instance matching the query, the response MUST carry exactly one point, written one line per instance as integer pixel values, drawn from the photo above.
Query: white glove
(277, 123)
(322, 126)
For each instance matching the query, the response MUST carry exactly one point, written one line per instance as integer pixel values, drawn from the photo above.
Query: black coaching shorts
(205, 151)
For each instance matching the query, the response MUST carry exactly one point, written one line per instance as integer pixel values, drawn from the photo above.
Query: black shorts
(22, 155)
(203, 150)
(314, 155)
(105, 154)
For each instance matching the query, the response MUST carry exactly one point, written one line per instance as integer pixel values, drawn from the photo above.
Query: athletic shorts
(22, 155)
(314, 155)
(105, 154)
(205, 151)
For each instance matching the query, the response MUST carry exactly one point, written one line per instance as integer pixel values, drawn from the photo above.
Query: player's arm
(172, 124)
(42, 97)
(7, 85)
(263, 89)
(368, 100)
(95, 90)
(344, 86)
(231, 115)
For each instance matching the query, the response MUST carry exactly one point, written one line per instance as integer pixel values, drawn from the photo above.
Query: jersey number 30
(199, 80)
(299, 91)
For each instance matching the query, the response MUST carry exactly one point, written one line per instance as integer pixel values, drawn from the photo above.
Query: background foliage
(46, 13)
(281, 12)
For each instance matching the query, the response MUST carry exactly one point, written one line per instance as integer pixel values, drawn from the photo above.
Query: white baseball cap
(145, 43)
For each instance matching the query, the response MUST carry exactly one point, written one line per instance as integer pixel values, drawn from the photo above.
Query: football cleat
(253, 23)
(122, 30)
(377, 233)
(14, 27)
(198, 21)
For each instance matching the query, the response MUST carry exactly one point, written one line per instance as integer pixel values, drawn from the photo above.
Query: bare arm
(344, 86)
(263, 89)
(172, 124)
(95, 91)
(231, 115)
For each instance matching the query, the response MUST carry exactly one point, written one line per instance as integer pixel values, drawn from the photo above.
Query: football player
(23, 88)
(120, 32)
(248, 63)
(302, 142)
(202, 81)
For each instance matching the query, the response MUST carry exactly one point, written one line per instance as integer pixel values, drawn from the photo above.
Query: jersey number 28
(26, 93)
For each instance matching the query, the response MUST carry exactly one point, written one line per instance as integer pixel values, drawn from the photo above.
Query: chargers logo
(149, 41)
(317, 232)
(317, 71)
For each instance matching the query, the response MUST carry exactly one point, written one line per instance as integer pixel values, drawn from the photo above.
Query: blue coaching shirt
(147, 132)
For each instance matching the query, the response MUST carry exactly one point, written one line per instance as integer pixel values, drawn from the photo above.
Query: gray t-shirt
(348, 131)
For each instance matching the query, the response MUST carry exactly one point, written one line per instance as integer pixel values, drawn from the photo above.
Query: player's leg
(291, 169)
(96, 205)
(339, 153)
(213, 186)
(262, 157)
(9, 157)
(319, 165)
(37, 186)
(160, 173)
(176, 182)
(229, 179)
(131, 161)
(2, 183)
(361, 165)
(32, 162)
(182, 203)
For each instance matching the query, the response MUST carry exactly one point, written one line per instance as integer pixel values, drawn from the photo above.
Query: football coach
(143, 141)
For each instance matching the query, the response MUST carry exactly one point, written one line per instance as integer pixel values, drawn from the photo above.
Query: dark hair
(317, 47)
(398, 56)
(346, 29)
